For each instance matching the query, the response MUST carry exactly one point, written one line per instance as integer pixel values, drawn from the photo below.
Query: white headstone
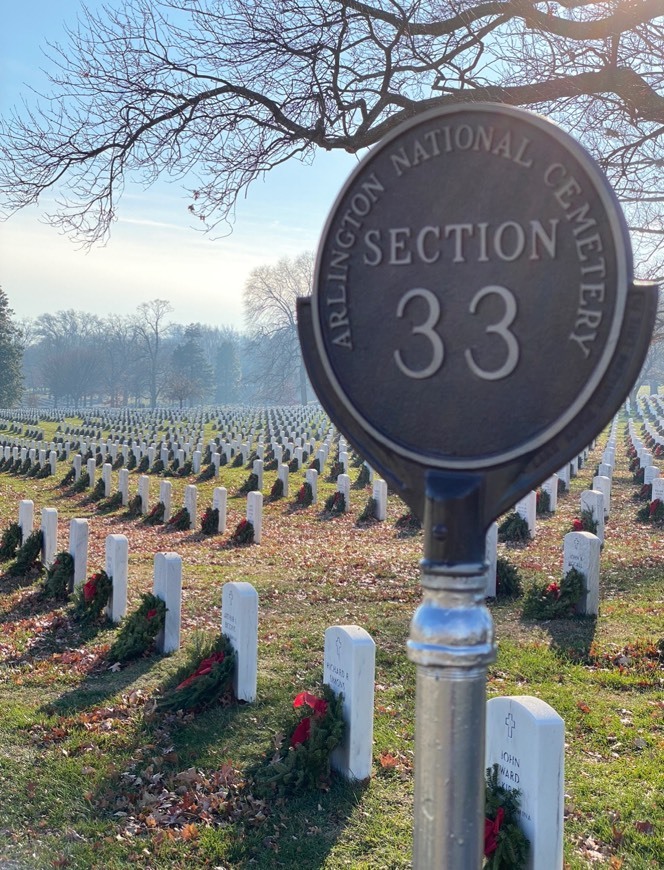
(379, 492)
(550, 486)
(191, 503)
(603, 484)
(564, 476)
(581, 550)
(348, 668)
(144, 492)
(282, 474)
(78, 549)
(657, 489)
(106, 477)
(605, 470)
(49, 528)
(167, 585)
(592, 500)
(239, 622)
(91, 467)
(491, 556)
(343, 486)
(26, 518)
(123, 486)
(525, 737)
(53, 460)
(255, 513)
(527, 510)
(196, 462)
(650, 472)
(219, 500)
(117, 566)
(166, 497)
(311, 477)
(257, 469)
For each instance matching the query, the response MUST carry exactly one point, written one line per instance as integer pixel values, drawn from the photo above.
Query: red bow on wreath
(205, 667)
(491, 829)
(303, 729)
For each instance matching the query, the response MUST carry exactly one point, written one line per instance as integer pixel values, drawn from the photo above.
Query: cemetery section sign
(470, 286)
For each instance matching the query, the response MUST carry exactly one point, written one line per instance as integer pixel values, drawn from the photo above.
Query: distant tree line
(76, 358)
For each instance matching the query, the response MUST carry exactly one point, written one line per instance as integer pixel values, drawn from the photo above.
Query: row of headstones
(33, 454)
(651, 473)
(524, 736)
(581, 550)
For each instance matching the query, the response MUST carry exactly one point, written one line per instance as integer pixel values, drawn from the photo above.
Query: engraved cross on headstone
(511, 724)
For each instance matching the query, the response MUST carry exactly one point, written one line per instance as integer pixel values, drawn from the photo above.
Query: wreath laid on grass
(513, 529)
(250, 484)
(639, 476)
(555, 600)
(369, 511)
(204, 679)
(112, 503)
(139, 630)
(10, 541)
(28, 556)
(335, 503)
(181, 521)
(156, 516)
(505, 845)
(585, 523)
(408, 523)
(363, 478)
(99, 491)
(135, 506)
(82, 483)
(277, 490)
(335, 471)
(207, 473)
(652, 513)
(645, 493)
(59, 578)
(305, 495)
(243, 534)
(302, 760)
(543, 503)
(508, 579)
(210, 521)
(91, 597)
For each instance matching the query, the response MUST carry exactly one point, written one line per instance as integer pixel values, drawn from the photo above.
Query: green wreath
(204, 679)
(302, 760)
(92, 597)
(505, 845)
(60, 576)
(138, 631)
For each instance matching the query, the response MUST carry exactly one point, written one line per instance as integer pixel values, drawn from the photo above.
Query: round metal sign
(470, 286)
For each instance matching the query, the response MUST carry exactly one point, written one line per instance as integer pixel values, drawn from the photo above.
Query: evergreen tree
(11, 356)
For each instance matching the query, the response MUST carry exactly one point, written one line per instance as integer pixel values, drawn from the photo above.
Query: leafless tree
(270, 293)
(221, 91)
(150, 328)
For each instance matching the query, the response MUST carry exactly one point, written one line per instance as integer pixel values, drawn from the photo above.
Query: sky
(154, 250)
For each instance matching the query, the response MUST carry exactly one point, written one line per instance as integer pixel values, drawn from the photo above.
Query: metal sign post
(473, 325)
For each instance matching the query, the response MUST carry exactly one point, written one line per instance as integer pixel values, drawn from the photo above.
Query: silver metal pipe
(452, 643)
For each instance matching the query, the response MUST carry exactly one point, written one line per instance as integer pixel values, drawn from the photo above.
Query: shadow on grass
(571, 638)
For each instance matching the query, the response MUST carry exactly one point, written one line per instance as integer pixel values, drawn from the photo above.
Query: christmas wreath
(243, 534)
(585, 523)
(10, 541)
(210, 521)
(138, 631)
(363, 478)
(156, 516)
(508, 579)
(543, 504)
(250, 484)
(302, 760)
(305, 495)
(204, 679)
(408, 524)
(652, 513)
(28, 555)
(82, 483)
(335, 503)
(181, 521)
(513, 529)
(91, 597)
(59, 578)
(369, 511)
(277, 490)
(505, 845)
(555, 600)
